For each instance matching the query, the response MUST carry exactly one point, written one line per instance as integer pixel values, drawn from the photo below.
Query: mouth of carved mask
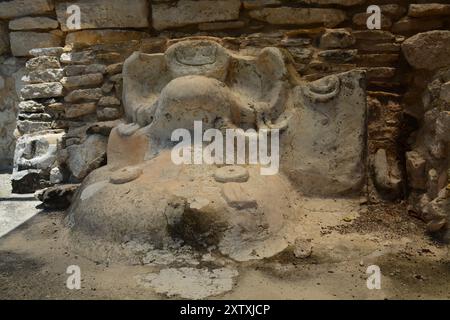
(203, 54)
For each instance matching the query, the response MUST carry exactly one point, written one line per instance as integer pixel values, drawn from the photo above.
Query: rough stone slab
(42, 90)
(84, 94)
(300, 16)
(336, 38)
(47, 75)
(345, 3)
(33, 23)
(107, 114)
(256, 4)
(375, 35)
(42, 63)
(187, 12)
(87, 80)
(19, 8)
(93, 37)
(83, 57)
(107, 13)
(109, 101)
(209, 26)
(54, 52)
(429, 50)
(27, 126)
(31, 106)
(360, 19)
(79, 110)
(410, 25)
(76, 70)
(428, 9)
(23, 42)
(393, 11)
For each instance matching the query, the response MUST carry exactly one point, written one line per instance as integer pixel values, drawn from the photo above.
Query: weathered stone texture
(19, 8)
(300, 16)
(429, 50)
(33, 23)
(23, 42)
(186, 12)
(97, 14)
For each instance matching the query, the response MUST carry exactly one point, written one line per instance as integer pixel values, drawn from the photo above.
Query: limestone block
(23, 42)
(96, 14)
(300, 16)
(33, 23)
(186, 12)
(42, 90)
(19, 8)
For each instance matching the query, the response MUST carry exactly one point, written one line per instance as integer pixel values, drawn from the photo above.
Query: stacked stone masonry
(61, 89)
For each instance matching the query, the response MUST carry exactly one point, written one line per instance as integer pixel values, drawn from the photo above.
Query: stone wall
(74, 82)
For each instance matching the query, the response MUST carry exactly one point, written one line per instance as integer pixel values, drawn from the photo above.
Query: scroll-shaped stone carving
(142, 195)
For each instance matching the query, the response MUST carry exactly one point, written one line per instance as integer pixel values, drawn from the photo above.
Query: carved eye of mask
(200, 55)
(323, 90)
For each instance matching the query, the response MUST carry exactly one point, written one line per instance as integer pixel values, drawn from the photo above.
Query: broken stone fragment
(42, 63)
(88, 156)
(237, 197)
(336, 38)
(384, 176)
(57, 197)
(302, 248)
(56, 176)
(231, 174)
(415, 168)
(28, 181)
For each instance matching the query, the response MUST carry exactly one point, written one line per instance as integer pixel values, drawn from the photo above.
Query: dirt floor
(347, 238)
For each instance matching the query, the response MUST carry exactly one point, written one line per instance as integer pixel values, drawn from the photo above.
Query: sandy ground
(346, 237)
